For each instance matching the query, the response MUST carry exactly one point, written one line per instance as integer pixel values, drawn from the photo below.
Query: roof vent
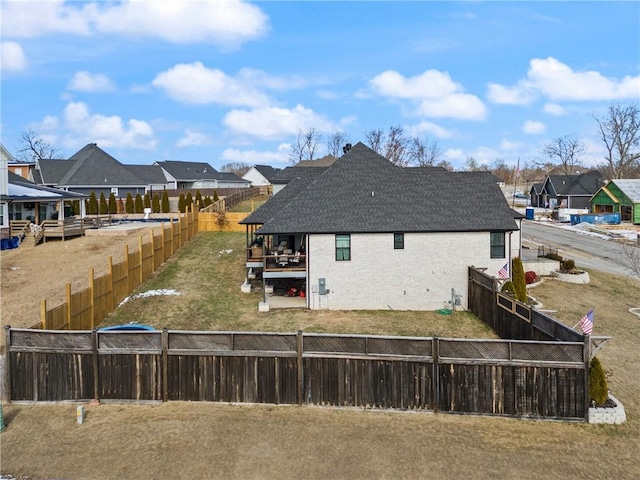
(346, 148)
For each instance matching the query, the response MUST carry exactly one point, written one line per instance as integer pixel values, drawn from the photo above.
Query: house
(286, 175)
(619, 196)
(198, 175)
(260, 175)
(364, 233)
(91, 169)
(571, 191)
(536, 195)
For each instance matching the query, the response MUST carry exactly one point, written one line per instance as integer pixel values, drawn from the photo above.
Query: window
(497, 245)
(398, 241)
(343, 247)
(2, 215)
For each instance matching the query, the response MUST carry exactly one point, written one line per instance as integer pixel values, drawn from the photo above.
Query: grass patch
(208, 273)
(250, 205)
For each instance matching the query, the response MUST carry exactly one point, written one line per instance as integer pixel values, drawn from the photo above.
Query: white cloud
(554, 109)
(110, 131)
(428, 128)
(13, 57)
(227, 24)
(517, 95)
(33, 19)
(508, 145)
(195, 83)
(191, 139)
(558, 82)
(434, 93)
(533, 127)
(91, 82)
(255, 157)
(272, 123)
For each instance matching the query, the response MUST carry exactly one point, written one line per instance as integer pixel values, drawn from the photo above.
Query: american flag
(586, 323)
(504, 271)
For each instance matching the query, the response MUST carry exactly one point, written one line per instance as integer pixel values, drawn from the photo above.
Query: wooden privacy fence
(510, 318)
(86, 308)
(493, 377)
(221, 221)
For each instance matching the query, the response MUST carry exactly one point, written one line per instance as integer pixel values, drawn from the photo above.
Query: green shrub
(155, 203)
(104, 208)
(568, 264)
(215, 196)
(147, 200)
(166, 207)
(138, 205)
(598, 389)
(508, 287)
(181, 203)
(518, 279)
(199, 203)
(128, 205)
(188, 200)
(113, 206)
(554, 256)
(92, 206)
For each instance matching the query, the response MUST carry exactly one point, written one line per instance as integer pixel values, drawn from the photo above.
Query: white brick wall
(420, 277)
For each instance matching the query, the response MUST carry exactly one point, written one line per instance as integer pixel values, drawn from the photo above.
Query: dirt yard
(32, 274)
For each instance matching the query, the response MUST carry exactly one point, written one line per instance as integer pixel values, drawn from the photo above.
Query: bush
(138, 206)
(598, 388)
(518, 279)
(181, 203)
(155, 203)
(165, 202)
(104, 208)
(147, 200)
(530, 277)
(568, 265)
(554, 256)
(92, 205)
(508, 287)
(128, 205)
(113, 206)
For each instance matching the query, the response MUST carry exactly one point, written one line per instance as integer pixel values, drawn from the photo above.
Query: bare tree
(632, 255)
(566, 150)
(34, 148)
(396, 147)
(238, 168)
(501, 170)
(306, 146)
(620, 132)
(375, 139)
(446, 165)
(424, 153)
(336, 142)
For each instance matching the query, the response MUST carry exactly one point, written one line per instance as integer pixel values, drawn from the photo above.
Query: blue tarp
(595, 218)
(9, 243)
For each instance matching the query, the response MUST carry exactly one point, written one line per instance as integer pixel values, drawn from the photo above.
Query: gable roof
(325, 161)
(630, 187)
(188, 171)
(585, 184)
(267, 171)
(364, 192)
(536, 188)
(149, 174)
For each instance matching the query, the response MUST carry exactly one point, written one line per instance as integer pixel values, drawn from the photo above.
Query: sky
(235, 81)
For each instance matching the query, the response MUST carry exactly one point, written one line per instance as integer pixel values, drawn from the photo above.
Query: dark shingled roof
(267, 171)
(364, 192)
(51, 171)
(189, 171)
(585, 184)
(289, 173)
(149, 174)
(325, 161)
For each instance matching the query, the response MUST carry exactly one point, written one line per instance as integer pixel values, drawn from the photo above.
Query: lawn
(202, 440)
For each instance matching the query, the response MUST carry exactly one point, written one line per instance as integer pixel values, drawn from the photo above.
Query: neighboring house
(198, 175)
(325, 161)
(368, 234)
(571, 191)
(619, 196)
(92, 169)
(260, 175)
(285, 176)
(536, 195)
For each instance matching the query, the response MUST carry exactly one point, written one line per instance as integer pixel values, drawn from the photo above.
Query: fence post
(43, 313)
(126, 266)
(586, 354)
(110, 273)
(300, 347)
(7, 363)
(435, 374)
(172, 249)
(68, 295)
(96, 365)
(92, 291)
(141, 259)
(165, 364)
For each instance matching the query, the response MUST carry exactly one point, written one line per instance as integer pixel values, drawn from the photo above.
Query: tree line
(137, 204)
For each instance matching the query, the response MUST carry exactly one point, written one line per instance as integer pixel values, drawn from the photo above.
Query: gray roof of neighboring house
(196, 171)
(267, 171)
(585, 184)
(630, 187)
(325, 161)
(90, 166)
(149, 174)
(537, 188)
(189, 171)
(364, 192)
(289, 173)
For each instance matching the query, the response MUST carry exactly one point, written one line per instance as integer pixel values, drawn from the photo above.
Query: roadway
(588, 251)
